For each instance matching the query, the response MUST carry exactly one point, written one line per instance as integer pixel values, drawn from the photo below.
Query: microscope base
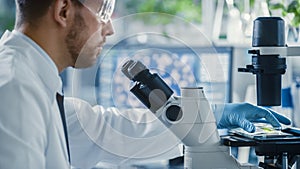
(212, 157)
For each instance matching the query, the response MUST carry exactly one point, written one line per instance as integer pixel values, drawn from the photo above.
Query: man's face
(86, 38)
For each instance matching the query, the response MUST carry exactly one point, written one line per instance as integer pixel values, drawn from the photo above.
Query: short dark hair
(31, 10)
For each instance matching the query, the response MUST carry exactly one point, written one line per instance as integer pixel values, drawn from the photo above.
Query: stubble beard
(75, 38)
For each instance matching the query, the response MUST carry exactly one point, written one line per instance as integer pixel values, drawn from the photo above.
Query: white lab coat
(31, 131)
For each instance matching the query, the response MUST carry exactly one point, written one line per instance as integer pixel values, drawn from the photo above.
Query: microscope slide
(263, 130)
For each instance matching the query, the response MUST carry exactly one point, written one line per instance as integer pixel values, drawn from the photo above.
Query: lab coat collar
(37, 58)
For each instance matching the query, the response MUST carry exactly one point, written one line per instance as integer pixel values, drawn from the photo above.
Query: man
(49, 36)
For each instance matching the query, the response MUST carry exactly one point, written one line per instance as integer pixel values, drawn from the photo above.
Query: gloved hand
(243, 114)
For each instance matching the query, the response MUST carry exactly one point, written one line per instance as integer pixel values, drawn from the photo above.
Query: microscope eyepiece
(125, 69)
(149, 88)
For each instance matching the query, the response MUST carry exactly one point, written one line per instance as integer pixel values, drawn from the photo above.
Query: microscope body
(196, 128)
(195, 125)
(189, 117)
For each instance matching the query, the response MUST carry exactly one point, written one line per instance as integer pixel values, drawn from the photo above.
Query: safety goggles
(103, 12)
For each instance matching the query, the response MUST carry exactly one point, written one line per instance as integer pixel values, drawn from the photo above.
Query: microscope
(188, 116)
(269, 64)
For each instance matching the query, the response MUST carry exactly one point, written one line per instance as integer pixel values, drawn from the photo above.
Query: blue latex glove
(243, 114)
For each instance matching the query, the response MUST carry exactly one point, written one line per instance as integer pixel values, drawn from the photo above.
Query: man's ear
(62, 10)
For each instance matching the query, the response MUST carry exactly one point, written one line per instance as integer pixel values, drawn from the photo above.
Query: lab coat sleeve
(119, 137)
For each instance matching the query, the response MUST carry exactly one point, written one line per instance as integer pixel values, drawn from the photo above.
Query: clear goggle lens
(104, 12)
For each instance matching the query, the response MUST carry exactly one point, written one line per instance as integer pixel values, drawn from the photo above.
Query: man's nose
(108, 29)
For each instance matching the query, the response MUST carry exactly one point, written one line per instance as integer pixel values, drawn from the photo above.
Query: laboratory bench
(146, 166)
(176, 163)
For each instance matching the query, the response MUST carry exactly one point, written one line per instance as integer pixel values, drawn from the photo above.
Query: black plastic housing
(151, 90)
(267, 32)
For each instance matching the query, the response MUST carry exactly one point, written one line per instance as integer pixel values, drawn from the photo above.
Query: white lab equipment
(189, 117)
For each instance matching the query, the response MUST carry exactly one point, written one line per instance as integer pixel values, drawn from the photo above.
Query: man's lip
(102, 44)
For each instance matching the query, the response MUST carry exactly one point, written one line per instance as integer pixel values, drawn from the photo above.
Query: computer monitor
(179, 66)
